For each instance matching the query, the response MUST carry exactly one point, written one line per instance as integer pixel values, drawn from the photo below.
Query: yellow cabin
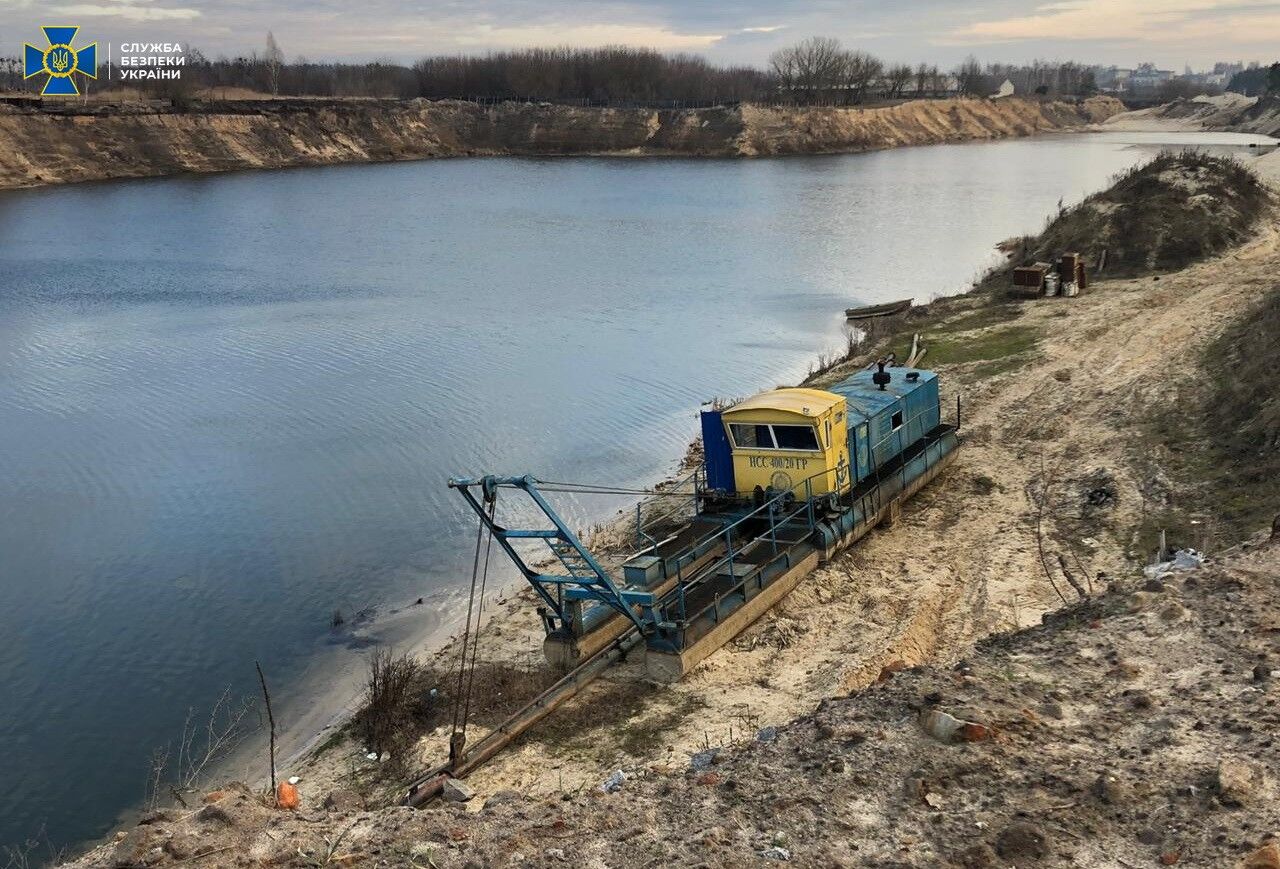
(784, 437)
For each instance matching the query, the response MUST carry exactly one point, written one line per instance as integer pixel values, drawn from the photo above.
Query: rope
(592, 489)
(457, 737)
(475, 644)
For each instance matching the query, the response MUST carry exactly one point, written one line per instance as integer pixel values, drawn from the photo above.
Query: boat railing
(666, 505)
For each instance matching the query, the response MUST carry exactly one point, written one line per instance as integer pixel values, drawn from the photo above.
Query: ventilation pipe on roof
(881, 378)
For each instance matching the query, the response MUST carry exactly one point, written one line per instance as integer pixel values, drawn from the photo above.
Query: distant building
(1006, 90)
(1148, 77)
(1112, 79)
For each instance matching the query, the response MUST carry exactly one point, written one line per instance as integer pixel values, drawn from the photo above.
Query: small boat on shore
(886, 309)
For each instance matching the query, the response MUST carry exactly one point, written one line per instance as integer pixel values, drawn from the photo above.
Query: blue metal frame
(717, 452)
(586, 580)
(780, 510)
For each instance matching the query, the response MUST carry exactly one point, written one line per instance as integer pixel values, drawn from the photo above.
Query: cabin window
(897, 420)
(803, 438)
(751, 436)
(796, 437)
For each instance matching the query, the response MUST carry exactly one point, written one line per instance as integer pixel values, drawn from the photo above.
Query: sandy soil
(99, 142)
(1135, 728)
(963, 562)
(1057, 455)
(1268, 166)
(1200, 115)
(1187, 116)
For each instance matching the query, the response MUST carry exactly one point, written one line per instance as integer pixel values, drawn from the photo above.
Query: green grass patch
(956, 330)
(983, 347)
(332, 741)
(981, 318)
(1005, 349)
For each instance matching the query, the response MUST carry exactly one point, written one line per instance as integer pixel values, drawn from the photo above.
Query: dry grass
(406, 699)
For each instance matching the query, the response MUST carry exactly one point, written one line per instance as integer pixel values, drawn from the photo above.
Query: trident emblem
(60, 62)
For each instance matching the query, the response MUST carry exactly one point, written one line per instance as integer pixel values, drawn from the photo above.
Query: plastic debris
(614, 783)
(1183, 560)
(287, 796)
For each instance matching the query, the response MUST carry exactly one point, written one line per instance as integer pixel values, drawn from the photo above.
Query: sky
(1171, 33)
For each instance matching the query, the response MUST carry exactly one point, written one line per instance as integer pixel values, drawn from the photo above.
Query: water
(228, 404)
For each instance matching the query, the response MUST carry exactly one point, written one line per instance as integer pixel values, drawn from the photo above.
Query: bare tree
(274, 59)
(785, 66)
(971, 79)
(199, 748)
(860, 70)
(922, 79)
(819, 63)
(897, 77)
(937, 80)
(11, 74)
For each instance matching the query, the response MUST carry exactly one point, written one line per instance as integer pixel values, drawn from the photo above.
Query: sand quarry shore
(1056, 447)
(963, 564)
(1226, 113)
(70, 143)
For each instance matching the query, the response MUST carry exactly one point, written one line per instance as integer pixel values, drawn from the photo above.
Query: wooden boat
(885, 310)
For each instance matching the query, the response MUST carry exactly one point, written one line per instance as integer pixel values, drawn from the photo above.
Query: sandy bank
(1185, 116)
(964, 561)
(1132, 729)
(103, 142)
(1228, 113)
(1058, 396)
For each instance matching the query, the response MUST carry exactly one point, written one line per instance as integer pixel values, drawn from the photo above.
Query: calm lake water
(229, 404)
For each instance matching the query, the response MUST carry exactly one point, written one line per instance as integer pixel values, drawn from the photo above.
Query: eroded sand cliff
(43, 147)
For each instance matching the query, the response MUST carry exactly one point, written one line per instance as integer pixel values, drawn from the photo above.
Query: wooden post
(271, 721)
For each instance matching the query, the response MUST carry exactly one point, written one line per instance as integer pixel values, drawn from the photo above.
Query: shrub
(1162, 215)
(386, 722)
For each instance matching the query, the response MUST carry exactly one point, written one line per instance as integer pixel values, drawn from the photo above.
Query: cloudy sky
(1170, 32)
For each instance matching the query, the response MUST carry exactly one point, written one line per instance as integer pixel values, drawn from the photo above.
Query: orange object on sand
(287, 796)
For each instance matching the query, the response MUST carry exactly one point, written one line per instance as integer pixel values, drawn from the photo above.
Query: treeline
(1256, 82)
(816, 71)
(610, 74)
(820, 67)
(264, 74)
(1042, 77)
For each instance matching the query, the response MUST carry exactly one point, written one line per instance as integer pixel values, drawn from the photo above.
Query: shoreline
(954, 573)
(429, 643)
(40, 148)
(513, 596)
